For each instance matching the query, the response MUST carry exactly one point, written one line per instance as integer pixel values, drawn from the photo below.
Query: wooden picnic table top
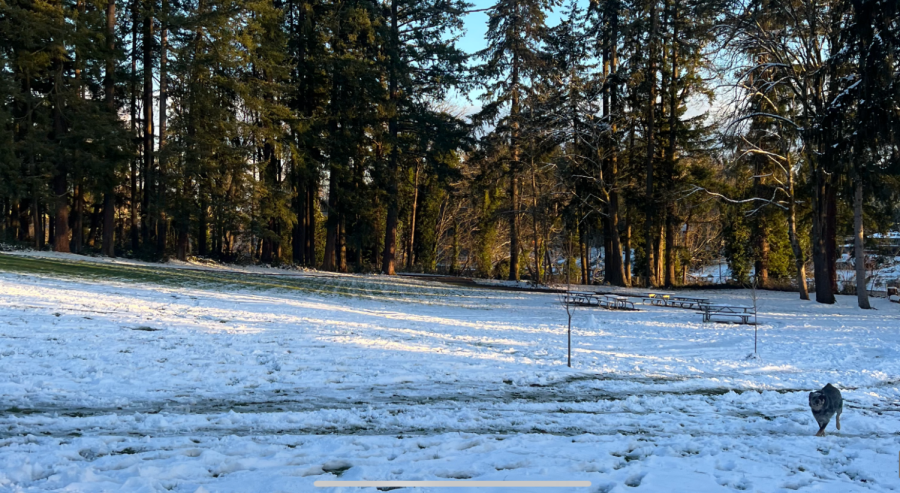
(723, 305)
(658, 294)
(688, 298)
(583, 293)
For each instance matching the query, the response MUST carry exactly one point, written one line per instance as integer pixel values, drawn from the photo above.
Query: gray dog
(826, 403)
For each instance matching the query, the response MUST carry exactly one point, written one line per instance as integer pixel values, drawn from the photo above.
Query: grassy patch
(350, 286)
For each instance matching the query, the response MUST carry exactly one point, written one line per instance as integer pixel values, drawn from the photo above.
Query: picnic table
(670, 299)
(741, 312)
(586, 298)
(610, 301)
(615, 302)
(657, 297)
(687, 302)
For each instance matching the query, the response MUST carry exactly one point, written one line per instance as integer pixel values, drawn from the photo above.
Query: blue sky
(473, 41)
(476, 25)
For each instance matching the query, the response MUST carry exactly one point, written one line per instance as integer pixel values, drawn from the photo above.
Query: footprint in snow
(336, 467)
(635, 481)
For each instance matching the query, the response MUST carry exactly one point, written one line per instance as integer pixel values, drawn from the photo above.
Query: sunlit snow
(118, 385)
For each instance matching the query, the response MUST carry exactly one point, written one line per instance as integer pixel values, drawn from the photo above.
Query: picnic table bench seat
(686, 302)
(585, 298)
(614, 301)
(672, 300)
(609, 301)
(741, 312)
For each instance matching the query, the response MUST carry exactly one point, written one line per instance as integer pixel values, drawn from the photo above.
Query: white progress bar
(455, 484)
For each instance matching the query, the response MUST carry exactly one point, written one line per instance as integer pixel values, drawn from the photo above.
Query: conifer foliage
(629, 142)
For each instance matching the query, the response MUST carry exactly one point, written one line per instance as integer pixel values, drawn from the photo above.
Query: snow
(192, 264)
(108, 385)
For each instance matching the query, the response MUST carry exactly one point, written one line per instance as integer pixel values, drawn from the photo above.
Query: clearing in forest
(131, 376)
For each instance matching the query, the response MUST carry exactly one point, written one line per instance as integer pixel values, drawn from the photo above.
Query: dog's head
(816, 400)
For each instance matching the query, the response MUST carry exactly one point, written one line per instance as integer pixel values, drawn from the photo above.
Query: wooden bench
(733, 311)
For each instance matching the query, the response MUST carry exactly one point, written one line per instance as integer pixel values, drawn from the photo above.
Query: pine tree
(422, 67)
(510, 63)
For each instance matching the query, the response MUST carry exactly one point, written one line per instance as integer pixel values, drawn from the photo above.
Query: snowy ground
(175, 380)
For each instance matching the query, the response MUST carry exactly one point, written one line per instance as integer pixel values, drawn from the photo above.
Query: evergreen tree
(320, 133)
(423, 64)
(511, 62)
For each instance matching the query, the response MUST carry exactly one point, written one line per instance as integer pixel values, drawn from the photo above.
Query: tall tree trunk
(393, 199)
(534, 224)
(831, 254)
(627, 247)
(342, 245)
(50, 227)
(870, 57)
(331, 224)
(671, 239)
(650, 205)
(410, 252)
(37, 223)
(824, 289)
(203, 229)
(298, 240)
(514, 112)
(147, 170)
(336, 156)
(162, 224)
(107, 246)
(660, 249)
(582, 239)
(61, 224)
(762, 263)
(761, 228)
(671, 220)
(78, 219)
(454, 249)
(135, 194)
(312, 206)
(862, 294)
(799, 258)
(77, 228)
(94, 225)
(514, 226)
(615, 269)
(19, 219)
(181, 249)
(60, 179)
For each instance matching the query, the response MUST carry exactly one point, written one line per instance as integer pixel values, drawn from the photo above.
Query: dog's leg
(838, 421)
(821, 432)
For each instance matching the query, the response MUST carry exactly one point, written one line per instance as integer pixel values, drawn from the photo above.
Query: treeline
(322, 134)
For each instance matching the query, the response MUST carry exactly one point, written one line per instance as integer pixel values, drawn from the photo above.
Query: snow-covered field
(175, 380)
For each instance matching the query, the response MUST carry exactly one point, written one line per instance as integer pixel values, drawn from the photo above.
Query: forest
(628, 142)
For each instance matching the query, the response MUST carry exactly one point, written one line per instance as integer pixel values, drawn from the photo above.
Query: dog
(826, 403)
